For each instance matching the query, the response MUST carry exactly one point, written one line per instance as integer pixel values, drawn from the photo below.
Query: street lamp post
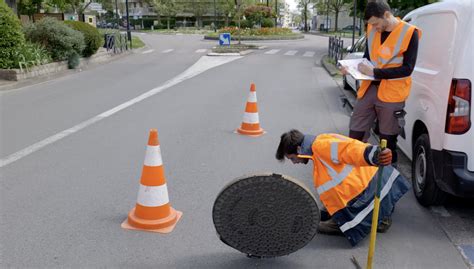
(354, 22)
(129, 34)
(116, 14)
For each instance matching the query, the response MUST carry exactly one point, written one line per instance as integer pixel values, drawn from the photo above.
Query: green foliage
(32, 54)
(246, 24)
(267, 22)
(234, 31)
(59, 39)
(92, 37)
(257, 13)
(11, 36)
(73, 60)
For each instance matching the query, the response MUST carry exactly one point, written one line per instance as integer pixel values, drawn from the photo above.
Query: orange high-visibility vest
(387, 55)
(340, 170)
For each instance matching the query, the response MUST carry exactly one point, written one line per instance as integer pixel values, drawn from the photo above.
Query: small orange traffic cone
(153, 211)
(250, 124)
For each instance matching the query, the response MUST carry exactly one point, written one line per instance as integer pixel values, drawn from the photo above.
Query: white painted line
(203, 64)
(440, 210)
(167, 51)
(308, 54)
(201, 50)
(148, 51)
(272, 51)
(291, 52)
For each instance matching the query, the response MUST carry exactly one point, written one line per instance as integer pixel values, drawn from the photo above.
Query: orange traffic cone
(250, 124)
(153, 211)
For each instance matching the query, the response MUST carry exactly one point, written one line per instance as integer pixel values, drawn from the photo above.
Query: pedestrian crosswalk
(274, 51)
(287, 52)
(291, 52)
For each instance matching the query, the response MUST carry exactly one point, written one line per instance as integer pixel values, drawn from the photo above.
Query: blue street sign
(224, 39)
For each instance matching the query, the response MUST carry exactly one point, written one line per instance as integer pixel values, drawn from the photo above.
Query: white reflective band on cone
(250, 117)
(153, 156)
(153, 196)
(252, 97)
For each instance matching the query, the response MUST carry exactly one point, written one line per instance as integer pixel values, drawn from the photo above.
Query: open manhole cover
(266, 215)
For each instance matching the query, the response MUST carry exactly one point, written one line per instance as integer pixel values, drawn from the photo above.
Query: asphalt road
(62, 203)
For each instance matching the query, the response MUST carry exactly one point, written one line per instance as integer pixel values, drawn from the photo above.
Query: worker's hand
(385, 157)
(365, 69)
(343, 70)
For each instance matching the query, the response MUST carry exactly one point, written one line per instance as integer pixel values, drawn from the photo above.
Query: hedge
(92, 37)
(59, 39)
(11, 37)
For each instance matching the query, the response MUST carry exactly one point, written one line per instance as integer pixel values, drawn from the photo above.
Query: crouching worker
(345, 176)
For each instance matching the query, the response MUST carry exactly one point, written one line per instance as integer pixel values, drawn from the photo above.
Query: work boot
(329, 227)
(384, 225)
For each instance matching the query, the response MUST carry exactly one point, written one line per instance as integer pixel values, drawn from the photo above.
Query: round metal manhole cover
(266, 215)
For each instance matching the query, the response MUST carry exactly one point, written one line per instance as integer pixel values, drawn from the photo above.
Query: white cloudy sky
(292, 4)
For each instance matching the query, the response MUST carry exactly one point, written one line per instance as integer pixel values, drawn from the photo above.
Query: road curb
(332, 70)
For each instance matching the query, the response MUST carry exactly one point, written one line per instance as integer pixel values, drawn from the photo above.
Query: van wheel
(346, 85)
(422, 170)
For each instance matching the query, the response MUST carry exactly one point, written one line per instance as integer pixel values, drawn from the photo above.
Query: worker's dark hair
(289, 143)
(376, 9)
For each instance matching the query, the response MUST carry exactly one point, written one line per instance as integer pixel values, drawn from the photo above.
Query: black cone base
(266, 215)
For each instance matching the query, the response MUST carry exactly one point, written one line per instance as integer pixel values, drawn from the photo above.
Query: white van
(439, 138)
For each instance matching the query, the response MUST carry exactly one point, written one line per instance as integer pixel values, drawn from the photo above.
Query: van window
(437, 41)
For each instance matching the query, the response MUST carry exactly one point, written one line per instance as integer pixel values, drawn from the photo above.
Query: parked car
(349, 28)
(355, 52)
(439, 137)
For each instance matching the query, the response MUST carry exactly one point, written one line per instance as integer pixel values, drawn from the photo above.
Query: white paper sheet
(351, 66)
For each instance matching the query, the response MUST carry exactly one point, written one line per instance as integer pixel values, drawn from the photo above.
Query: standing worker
(345, 179)
(392, 47)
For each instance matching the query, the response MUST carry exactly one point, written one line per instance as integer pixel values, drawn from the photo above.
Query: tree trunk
(336, 19)
(305, 18)
(168, 22)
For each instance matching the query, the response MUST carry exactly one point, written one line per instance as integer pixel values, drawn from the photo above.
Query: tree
(226, 8)
(256, 13)
(167, 8)
(303, 5)
(200, 7)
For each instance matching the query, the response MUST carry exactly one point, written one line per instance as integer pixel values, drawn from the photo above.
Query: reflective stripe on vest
(336, 178)
(394, 58)
(335, 148)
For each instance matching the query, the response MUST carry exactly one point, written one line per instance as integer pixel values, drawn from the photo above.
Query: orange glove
(385, 157)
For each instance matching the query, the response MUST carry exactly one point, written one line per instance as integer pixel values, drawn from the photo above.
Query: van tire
(422, 170)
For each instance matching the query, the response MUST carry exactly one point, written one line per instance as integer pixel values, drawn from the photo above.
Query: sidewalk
(101, 57)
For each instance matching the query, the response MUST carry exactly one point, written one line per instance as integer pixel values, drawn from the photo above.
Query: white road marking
(167, 51)
(148, 51)
(272, 51)
(203, 64)
(308, 54)
(291, 52)
(201, 50)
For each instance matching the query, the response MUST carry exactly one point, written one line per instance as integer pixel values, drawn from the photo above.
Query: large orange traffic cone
(153, 211)
(250, 124)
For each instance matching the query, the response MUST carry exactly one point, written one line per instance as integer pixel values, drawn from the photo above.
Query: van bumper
(451, 173)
